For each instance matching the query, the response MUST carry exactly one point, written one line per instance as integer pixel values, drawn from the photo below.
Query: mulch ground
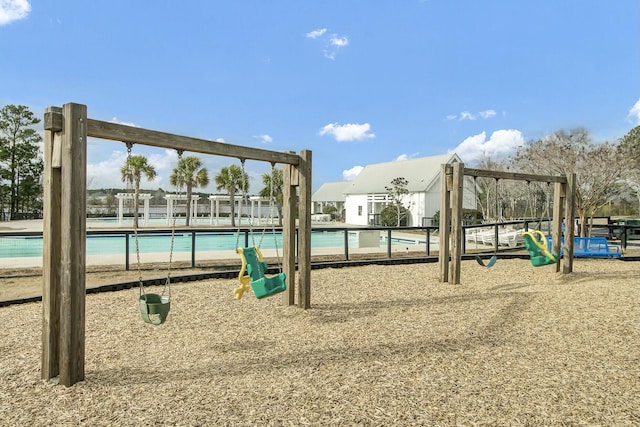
(381, 345)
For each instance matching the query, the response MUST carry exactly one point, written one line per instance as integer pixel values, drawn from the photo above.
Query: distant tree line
(21, 164)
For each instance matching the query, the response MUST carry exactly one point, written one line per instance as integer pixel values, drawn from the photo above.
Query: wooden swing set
(451, 205)
(64, 225)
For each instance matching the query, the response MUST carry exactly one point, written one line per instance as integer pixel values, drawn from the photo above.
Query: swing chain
(498, 213)
(173, 235)
(135, 223)
(243, 187)
(273, 203)
(546, 206)
(244, 181)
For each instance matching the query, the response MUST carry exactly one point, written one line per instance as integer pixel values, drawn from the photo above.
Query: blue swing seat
(252, 273)
(489, 264)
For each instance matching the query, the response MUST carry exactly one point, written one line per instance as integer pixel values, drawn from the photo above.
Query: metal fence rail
(407, 236)
(392, 240)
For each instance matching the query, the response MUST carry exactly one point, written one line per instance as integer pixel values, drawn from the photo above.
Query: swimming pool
(114, 244)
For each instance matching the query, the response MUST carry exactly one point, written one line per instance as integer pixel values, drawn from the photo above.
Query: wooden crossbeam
(119, 132)
(514, 176)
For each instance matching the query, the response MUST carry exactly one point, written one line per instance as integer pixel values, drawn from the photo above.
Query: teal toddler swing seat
(252, 273)
(253, 265)
(536, 243)
(489, 264)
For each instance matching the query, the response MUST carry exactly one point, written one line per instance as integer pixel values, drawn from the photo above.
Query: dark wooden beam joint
(53, 119)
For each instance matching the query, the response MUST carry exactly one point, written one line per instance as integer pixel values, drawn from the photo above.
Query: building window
(359, 210)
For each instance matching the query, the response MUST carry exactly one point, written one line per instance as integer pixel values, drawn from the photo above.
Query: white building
(330, 194)
(366, 196)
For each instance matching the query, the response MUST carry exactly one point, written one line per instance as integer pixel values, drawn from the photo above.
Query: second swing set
(535, 241)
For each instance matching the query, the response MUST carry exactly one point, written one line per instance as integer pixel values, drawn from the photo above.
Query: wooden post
(50, 360)
(556, 236)
(456, 221)
(304, 238)
(569, 230)
(73, 243)
(289, 231)
(444, 230)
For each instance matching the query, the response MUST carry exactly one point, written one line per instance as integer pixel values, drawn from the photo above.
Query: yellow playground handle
(242, 277)
(540, 240)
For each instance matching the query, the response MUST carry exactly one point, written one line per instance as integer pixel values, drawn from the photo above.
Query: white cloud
(405, 156)
(487, 114)
(106, 173)
(264, 138)
(335, 44)
(348, 132)
(338, 41)
(466, 115)
(164, 161)
(316, 33)
(351, 174)
(120, 122)
(634, 113)
(13, 10)
(332, 42)
(501, 143)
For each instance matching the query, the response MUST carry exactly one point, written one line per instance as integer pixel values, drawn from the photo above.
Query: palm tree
(132, 171)
(192, 174)
(232, 179)
(273, 183)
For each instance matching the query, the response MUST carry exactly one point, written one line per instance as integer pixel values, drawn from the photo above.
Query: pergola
(257, 200)
(146, 197)
(173, 199)
(254, 200)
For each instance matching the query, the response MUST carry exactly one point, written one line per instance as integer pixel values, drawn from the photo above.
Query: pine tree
(21, 165)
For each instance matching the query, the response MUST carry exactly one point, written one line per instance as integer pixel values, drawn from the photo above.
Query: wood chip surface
(382, 345)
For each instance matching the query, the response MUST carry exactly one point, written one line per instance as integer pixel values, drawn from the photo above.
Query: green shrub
(330, 210)
(389, 216)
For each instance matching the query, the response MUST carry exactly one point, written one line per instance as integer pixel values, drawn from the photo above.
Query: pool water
(16, 247)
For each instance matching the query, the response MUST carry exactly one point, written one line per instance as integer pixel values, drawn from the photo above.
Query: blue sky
(355, 81)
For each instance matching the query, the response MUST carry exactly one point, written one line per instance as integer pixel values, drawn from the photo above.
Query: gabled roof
(330, 192)
(421, 174)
